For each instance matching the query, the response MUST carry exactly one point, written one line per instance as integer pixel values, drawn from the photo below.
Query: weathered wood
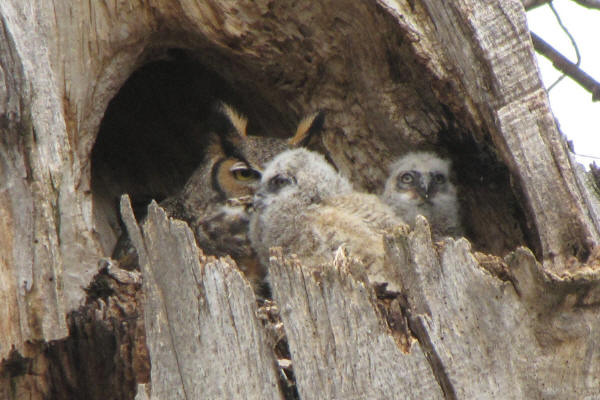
(454, 74)
(142, 392)
(340, 346)
(533, 337)
(540, 160)
(200, 314)
(499, 79)
(590, 188)
(104, 356)
(457, 76)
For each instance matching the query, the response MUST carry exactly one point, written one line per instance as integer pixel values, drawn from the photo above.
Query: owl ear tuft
(238, 121)
(308, 126)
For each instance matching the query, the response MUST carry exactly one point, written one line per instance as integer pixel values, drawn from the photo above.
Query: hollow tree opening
(151, 139)
(153, 133)
(455, 76)
(491, 213)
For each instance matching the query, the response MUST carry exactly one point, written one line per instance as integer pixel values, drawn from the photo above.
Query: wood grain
(457, 76)
(200, 314)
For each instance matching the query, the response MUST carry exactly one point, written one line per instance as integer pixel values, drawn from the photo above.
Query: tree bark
(98, 99)
(200, 315)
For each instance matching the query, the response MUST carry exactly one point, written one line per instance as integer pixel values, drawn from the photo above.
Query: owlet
(419, 183)
(304, 206)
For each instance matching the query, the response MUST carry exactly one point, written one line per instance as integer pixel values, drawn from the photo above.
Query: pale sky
(578, 116)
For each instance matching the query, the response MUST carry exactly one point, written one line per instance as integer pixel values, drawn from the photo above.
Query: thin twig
(573, 43)
(556, 82)
(587, 156)
(567, 67)
(565, 30)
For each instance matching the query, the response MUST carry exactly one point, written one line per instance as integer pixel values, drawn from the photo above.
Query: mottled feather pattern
(306, 207)
(217, 199)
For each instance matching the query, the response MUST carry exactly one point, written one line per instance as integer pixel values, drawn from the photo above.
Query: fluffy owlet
(216, 198)
(419, 183)
(304, 206)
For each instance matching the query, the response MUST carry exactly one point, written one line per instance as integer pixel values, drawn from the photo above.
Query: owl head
(419, 183)
(299, 177)
(419, 178)
(233, 160)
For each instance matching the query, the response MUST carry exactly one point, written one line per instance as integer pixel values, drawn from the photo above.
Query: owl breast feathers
(419, 184)
(304, 206)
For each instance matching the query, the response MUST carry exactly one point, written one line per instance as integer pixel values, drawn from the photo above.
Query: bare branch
(531, 4)
(594, 4)
(567, 67)
(566, 31)
(595, 171)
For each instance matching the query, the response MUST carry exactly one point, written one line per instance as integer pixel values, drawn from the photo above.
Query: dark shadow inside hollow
(492, 215)
(153, 133)
(152, 137)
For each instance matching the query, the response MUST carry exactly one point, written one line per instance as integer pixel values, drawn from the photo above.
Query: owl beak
(424, 188)
(258, 201)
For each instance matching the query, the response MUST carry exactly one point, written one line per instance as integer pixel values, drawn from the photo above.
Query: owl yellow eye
(407, 178)
(245, 174)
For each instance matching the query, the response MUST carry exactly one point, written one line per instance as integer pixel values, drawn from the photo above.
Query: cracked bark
(200, 315)
(101, 99)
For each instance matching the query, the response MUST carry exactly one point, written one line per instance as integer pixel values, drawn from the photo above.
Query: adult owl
(216, 198)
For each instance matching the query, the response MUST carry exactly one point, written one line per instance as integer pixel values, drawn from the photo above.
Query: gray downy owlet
(419, 184)
(306, 207)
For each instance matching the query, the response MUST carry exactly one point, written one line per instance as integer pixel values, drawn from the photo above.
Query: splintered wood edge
(459, 311)
(133, 229)
(309, 299)
(200, 317)
(530, 285)
(528, 290)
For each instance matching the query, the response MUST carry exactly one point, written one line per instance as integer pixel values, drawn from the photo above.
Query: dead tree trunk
(102, 98)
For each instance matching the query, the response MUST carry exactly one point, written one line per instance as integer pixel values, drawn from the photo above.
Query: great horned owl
(216, 198)
(304, 206)
(419, 183)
